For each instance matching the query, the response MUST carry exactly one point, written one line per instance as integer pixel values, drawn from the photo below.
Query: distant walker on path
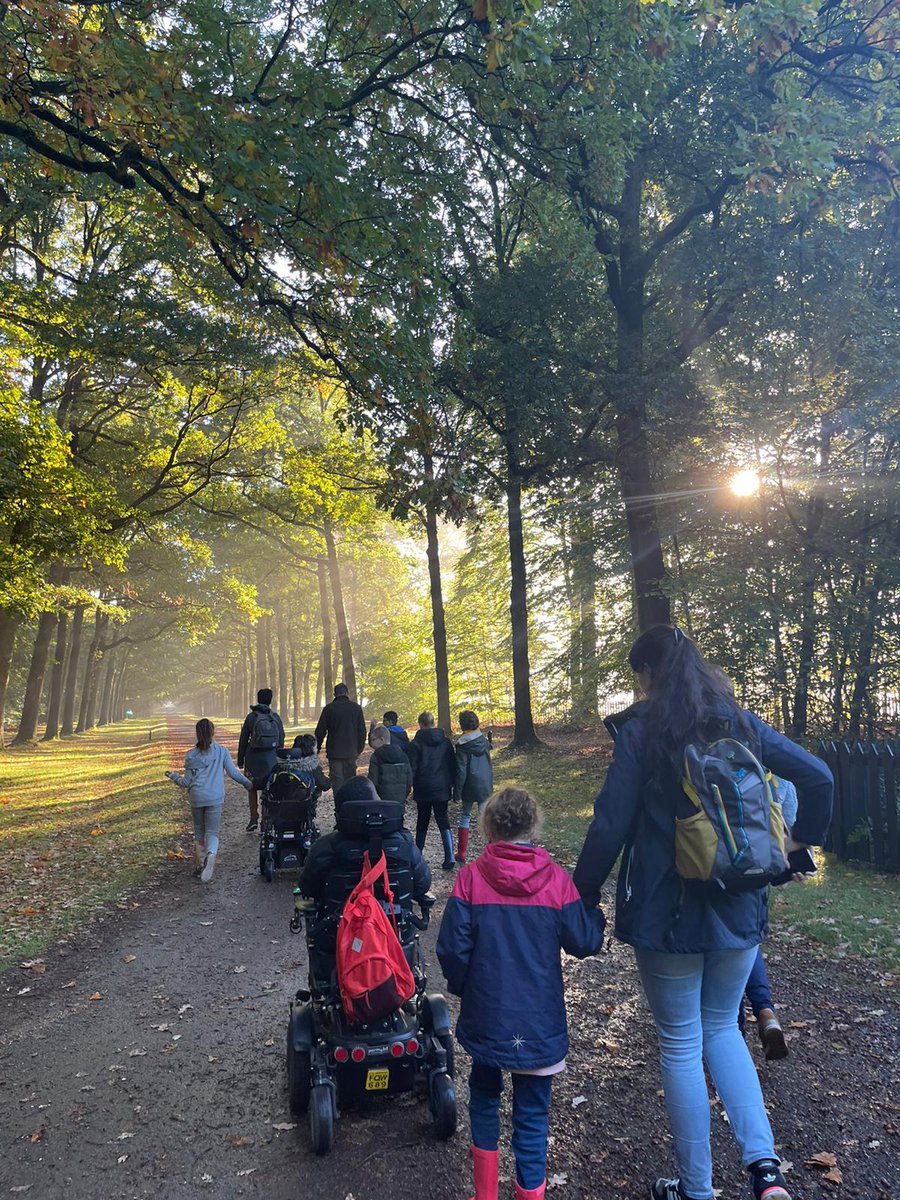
(342, 729)
(262, 735)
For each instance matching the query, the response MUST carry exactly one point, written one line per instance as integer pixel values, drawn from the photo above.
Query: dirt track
(172, 1084)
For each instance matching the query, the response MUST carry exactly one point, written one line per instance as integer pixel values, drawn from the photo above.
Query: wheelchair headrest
(369, 819)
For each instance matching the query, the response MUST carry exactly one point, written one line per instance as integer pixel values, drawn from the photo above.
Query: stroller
(331, 1061)
(288, 827)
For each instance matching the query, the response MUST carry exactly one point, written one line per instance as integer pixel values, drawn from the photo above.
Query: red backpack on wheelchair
(374, 977)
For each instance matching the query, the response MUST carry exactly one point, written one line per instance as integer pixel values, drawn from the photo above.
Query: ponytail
(206, 731)
(685, 692)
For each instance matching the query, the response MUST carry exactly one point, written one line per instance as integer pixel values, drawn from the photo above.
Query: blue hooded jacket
(508, 917)
(635, 814)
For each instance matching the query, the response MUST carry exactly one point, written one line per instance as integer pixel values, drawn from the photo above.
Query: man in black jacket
(342, 728)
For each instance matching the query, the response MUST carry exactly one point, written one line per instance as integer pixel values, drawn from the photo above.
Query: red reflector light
(341, 1054)
(412, 1046)
(357, 1054)
(397, 1049)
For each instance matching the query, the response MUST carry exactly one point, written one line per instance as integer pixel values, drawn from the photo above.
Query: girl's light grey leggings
(206, 825)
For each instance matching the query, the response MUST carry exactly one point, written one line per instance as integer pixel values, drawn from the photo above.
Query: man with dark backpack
(262, 735)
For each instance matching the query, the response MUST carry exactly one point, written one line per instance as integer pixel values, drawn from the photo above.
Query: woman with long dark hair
(695, 942)
(205, 784)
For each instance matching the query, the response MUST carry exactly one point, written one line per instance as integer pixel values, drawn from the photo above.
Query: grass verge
(82, 823)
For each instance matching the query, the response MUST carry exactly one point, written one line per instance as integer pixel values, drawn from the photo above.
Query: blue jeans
(758, 992)
(694, 999)
(530, 1113)
(207, 821)
(465, 812)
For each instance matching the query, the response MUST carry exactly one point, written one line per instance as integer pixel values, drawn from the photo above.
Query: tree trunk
(815, 513)
(326, 678)
(8, 627)
(118, 709)
(271, 666)
(282, 662)
(304, 701)
(438, 622)
(584, 580)
(524, 734)
(56, 679)
(340, 616)
(860, 699)
(261, 670)
(91, 671)
(112, 656)
(632, 449)
(68, 706)
(31, 705)
(295, 694)
(248, 696)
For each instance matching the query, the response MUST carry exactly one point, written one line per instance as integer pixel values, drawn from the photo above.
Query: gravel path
(170, 1083)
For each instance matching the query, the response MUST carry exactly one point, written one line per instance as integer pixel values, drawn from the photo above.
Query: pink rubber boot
(487, 1172)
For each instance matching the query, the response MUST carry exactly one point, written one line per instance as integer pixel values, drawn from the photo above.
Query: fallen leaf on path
(123, 1136)
(833, 1176)
(37, 1136)
(558, 1180)
(579, 1100)
(173, 854)
(824, 1158)
(238, 1139)
(239, 970)
(206, 1178)
(35, 965)
(23, 1187)
(23, 992)
(211, 1058)
(95, 996)
(122, 1158)
(63, 986)
(786, 1166)
(210, 923)
(269, 1042)
(163, 1027)
(129, 958)
(97, 831)
(185, 1008)
(136, 1053)
(283, 1126)
(247, 1171)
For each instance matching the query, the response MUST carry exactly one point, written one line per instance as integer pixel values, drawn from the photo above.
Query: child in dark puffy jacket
(474, 777)
(389, 768)
(508, 917)
(303, 756)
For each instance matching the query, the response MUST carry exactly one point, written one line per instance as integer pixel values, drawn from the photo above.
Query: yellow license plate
(377, 1081)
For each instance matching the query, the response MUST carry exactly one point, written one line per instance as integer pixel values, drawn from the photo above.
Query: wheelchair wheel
(321, 1118)
(446, 1040)
(267, 866)
(298, 1073)
(443, 1106)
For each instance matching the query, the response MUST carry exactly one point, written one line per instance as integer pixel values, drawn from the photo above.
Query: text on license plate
(377, 1080)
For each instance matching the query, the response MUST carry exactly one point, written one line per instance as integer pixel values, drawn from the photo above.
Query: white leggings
(206, 826)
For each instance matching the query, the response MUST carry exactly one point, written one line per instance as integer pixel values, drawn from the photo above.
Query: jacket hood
(390, 754)
(261, 708)
(513, 869)
(430, 737)
(474, 743)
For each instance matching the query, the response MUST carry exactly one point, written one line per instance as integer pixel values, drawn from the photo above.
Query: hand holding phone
(800, 862)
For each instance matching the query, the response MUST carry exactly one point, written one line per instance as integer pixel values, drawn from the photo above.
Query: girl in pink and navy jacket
(508, 917)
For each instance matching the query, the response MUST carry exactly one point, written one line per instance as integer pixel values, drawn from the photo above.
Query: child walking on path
(203, 767)
(474, 777)
(508, 917)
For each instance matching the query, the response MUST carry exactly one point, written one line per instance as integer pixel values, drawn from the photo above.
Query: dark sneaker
(771, 1035)
(251, 825)
(768, 1181)
(448, 865)
(668, 1189)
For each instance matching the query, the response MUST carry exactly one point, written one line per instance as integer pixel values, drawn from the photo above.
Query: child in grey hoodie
(203, 779)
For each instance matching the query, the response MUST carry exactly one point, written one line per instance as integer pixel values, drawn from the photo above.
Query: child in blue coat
(508, 917)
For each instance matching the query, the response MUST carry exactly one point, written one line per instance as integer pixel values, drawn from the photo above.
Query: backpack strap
(370, 876)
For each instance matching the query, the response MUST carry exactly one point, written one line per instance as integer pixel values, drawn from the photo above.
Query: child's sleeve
(232, 771)
(462, 760)
(456, 938)
(184, 781)
(581, 928)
